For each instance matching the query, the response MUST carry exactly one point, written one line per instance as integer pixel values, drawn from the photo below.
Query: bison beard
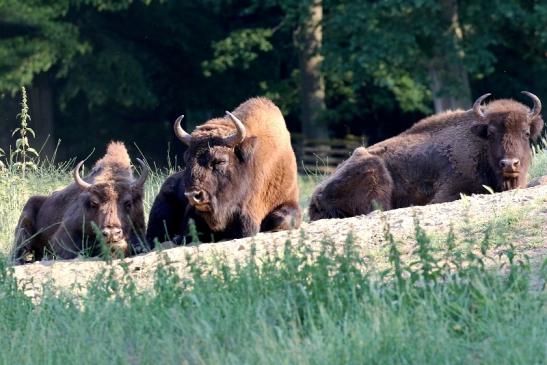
(240, 178)
(63, 223)
(436, 160)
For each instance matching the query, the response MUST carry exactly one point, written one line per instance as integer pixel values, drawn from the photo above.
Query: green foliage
(139, 63)
(37, 38)
(297, 306)
(239, 49)
(24, 154)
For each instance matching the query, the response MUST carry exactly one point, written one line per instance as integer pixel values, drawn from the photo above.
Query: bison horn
(79, 181)
(181, 133)
(239, 136)
(477, 106)
(144, 175)
(537, 105)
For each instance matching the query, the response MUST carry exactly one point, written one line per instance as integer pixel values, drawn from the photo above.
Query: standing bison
(109, 198)
(240, 178)
(438, 159)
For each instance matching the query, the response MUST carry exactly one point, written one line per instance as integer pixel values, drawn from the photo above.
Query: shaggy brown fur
(454, 152)
(245, 188)
(364, 178)
(61, 222)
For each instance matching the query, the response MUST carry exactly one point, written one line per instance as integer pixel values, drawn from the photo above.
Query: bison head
(113, 205)
(508, 127)
(217, 173)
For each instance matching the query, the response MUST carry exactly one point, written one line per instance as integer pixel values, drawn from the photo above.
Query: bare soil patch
(519, 216)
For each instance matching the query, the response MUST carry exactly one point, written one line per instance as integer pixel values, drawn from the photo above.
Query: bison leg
(26, 231)
(284, 217)
(64, 245)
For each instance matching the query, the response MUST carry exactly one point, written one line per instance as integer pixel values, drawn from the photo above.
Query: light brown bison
(239, 178)
(109, 198)
(443, 156)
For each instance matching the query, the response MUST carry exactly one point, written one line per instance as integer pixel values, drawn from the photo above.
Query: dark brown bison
(441, 157)
(239, 178)
(65, 223)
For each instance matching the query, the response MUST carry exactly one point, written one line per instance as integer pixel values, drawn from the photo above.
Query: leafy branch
(24, 153)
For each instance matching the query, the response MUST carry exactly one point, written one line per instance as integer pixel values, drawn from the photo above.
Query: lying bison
(437, 159)
(65, 223)
(240, 178)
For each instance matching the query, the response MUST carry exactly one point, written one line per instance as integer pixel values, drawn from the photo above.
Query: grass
(539, 163)
(290, 309)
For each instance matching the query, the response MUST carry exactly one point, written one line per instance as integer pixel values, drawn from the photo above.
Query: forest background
(99, 70)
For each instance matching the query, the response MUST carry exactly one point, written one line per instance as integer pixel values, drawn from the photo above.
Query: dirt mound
(520, 214)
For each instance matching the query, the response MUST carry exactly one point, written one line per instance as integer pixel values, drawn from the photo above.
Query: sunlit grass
(539, 163)
(293, 308)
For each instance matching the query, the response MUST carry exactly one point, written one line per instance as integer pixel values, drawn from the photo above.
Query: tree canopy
(125, 69)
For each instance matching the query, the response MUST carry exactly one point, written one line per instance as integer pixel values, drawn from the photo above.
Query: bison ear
(244, 151)
(535, 128)
(480, 130)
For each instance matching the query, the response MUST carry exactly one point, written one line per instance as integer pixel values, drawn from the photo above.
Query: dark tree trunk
(8, 113)
(42, 116)
(312, 86)
(448, 76)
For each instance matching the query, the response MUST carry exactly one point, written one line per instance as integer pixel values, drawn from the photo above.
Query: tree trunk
(41, 114)
(8, 112)
(448, 76)
(312, 85)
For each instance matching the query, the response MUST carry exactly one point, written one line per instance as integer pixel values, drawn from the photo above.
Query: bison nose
(112, 234)
(195, 196)
(510, 163)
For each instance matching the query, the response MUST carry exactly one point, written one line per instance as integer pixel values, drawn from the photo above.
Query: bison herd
(240, 178)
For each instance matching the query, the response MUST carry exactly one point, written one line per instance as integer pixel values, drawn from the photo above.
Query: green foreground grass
(442, 307)
(291, 309)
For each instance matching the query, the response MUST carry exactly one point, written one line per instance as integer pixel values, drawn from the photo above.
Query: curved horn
(477, 106)
(144, 175)
(537, 105)
(79, 181)
(239, 136)
(181, 133)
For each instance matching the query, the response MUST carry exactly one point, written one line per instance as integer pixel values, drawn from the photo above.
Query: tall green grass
(539, 162)
(294, 308)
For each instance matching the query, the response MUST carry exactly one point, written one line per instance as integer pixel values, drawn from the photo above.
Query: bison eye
(127, 205)
(219, 163)
(93, 204)
(527, 134)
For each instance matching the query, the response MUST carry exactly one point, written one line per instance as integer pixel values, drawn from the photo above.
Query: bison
(239, 178)
(68, 222)
(437, 159)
